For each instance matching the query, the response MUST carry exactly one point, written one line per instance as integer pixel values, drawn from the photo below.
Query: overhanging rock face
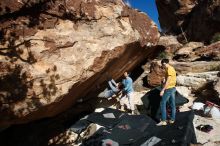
(54, 52)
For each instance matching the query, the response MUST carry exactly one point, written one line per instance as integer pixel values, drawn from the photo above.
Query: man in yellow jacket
(168, 93)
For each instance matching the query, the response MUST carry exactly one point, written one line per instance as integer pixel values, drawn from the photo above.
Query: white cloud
(127, 2)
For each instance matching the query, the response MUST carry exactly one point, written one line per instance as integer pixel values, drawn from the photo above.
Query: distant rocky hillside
(53, 52)
(198, 19)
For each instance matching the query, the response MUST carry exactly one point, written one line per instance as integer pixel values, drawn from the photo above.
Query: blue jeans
(169, 94)
(113, 89)
(113, 85)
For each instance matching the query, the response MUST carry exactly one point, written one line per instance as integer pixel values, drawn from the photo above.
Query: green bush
(214, 68)
(216, 38)
(162, 55)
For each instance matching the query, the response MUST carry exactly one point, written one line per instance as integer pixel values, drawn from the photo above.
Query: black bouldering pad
(107, 118)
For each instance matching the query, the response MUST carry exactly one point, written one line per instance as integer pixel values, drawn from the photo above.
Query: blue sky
(147, 6)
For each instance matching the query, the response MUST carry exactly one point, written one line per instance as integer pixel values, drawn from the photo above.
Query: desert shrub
(215, 38)
(162, 55)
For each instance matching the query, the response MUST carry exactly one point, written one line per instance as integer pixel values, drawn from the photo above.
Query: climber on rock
(127, 93)
(114, 89)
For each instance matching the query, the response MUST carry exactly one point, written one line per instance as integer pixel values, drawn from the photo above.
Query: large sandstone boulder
(185, 91)
(196, 51)
(169, 10)
(54, 52)
(170, 44)
(196, 80)
(198, 19)
(211, 52)
(186, 53)
(196, 66)
(156, 74)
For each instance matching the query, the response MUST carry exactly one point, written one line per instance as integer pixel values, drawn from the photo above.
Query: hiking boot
(162, 123)
(171, 121)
